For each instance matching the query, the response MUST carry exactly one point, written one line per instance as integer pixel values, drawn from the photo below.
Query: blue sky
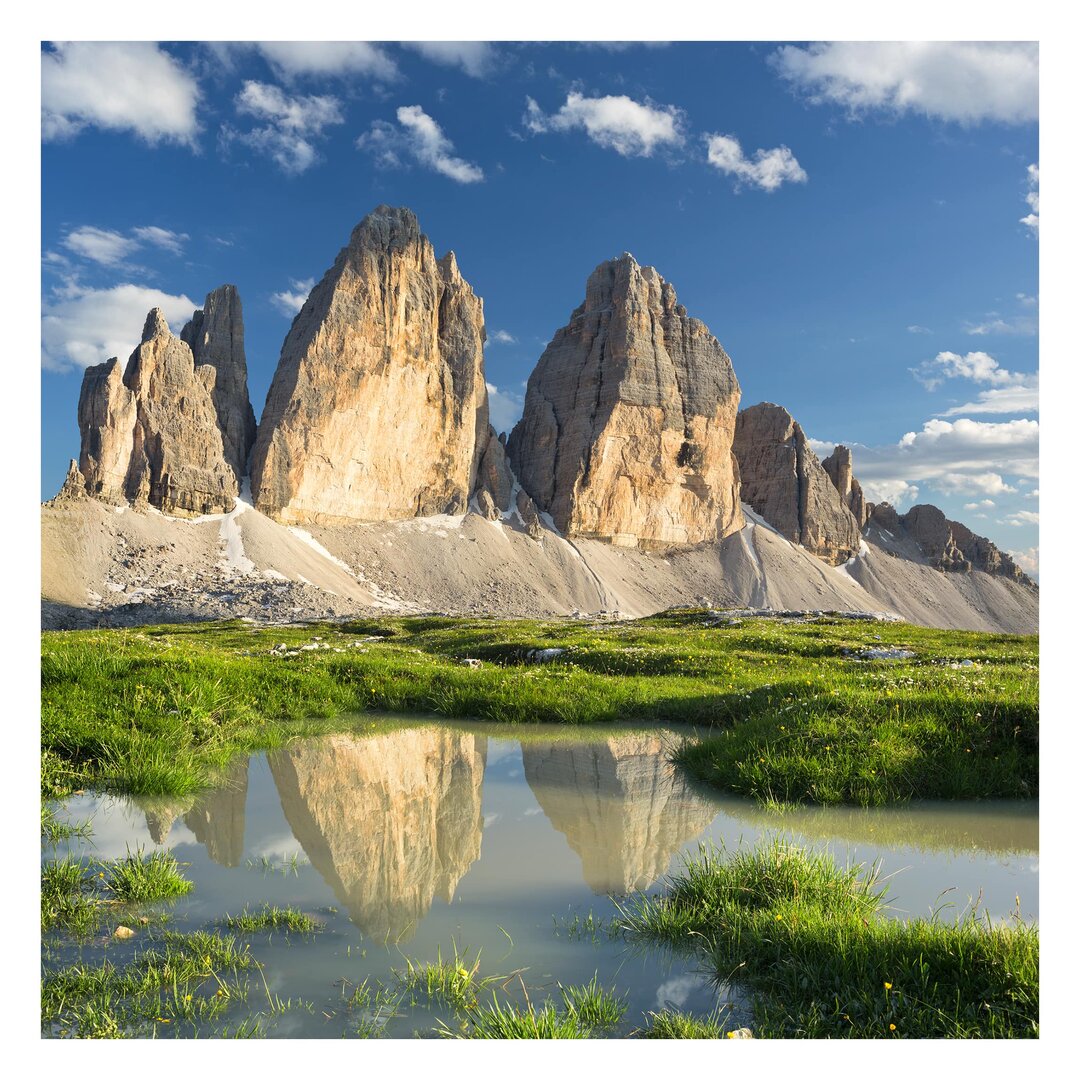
(857, 224)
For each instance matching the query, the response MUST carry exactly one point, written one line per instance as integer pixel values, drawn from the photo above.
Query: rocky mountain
(947, 545)
(785, 483)
(838, 466)
(628, 419)
(378, 408)
(215, 334)
(153, 435)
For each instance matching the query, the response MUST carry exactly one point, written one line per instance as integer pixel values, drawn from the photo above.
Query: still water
(426, 838)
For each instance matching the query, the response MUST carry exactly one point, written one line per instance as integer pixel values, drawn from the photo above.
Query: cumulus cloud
(987, 483)
(418, 139)
(85, 326)
(502, 337)
(1027, 560)
(1022, 517)
(296, 59)
(1022, 398)
(102, 246)
(966, 82)
(982, 504)
(289, 301)
(898, 493)
(475, 58)
(980, 367)
(617, 123)
(291, 124)
(1031, 220)
(117, 86)
(767, 169)
(504, 407)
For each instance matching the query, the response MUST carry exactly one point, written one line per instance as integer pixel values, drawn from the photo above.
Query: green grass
(66, 902)
(269, 917)
(673, 1024)
(809, 940)
(792, 717)
(177, 986)
(497, 1021)
(139, 878)
(592, 1005)
(453, 982)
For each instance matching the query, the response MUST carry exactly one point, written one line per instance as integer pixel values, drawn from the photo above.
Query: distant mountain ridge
(631, 437)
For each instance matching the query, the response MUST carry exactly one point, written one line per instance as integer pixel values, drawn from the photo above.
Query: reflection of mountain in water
(160, 814)
(390, 821)
(996, 826)
(217, 818)
(621, 804)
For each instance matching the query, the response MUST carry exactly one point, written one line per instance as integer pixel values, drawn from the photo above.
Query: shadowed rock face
(838, 466)
(378, 408)
(785, 483)
(390, 821)
(622, 806)
(154, 434)
(215, 334)
(217, 818)
(949, 545)
(628, 420)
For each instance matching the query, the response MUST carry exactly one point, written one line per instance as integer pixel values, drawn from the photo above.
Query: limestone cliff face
(169, 431)
(838, 466)
(390, 821)
(378, 408)
(785, 483)
(620, 803)
(215, 334)
(217, 818)
(494, 479)
(628, 420)
(948, 545)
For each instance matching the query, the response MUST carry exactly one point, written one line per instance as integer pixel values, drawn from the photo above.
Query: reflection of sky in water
(420, 840)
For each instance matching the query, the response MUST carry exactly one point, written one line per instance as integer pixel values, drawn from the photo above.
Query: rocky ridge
(628, 419)
(378, 408)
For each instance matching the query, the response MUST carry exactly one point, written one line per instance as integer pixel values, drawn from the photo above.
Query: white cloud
(1032, 494)
(916, 329)
(987, 483)
(1027, 560)
(290, 301)
(616, 123)
(420, 139)
(475, 58)
(898, 493)
(162, 238)
(102, 246)
(502, 337)
(982, 504)
(1032, 199)
(117, 86)
(1015, 325)
(1022, 517)
(767, 170)
(980, 367)
(1023, 398)
(292, 124)
(968, 82)
(1027, 301)
(295, 59)
(86, 326)
(504, 407)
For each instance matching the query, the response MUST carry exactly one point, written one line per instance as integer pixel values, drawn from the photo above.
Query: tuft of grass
(453, 982)
(65, 897)
(593, 1005)
(495, 1021)
(673, 1024)
(809, 940)
(270, 917)
(139, 878)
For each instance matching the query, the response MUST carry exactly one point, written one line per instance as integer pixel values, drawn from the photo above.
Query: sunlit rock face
(217, 818)
(391, 821)
(629, 416)
(378, 409)
(620, 803)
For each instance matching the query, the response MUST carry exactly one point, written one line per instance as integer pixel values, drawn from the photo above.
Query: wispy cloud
(117, 86)
(417, 139)
(1022, 517)
(289, 301)
(163, 238)
(102, 246)
(297, 59)
(1031, 220)
(967, 82)
(292, 124)
(767, 169)
(475, 58)
(502, 337)
(504, 407)
(630, 128)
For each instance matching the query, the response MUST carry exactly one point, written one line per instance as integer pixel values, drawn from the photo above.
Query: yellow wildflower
(892, 1027)
(888, 986)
